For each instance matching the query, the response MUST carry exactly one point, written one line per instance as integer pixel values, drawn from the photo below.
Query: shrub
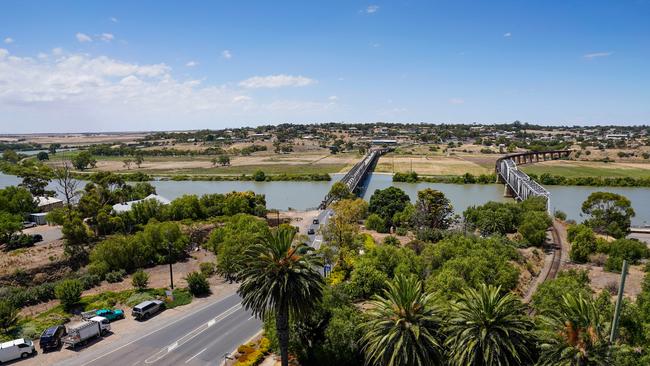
(89, 281)
(374, 222)
(560, 215)
(140, 279)
(401, 231)
(197, 284)
(115, 276)
(8, 315)
(98, 268)
(630, 249)
(391, 240)
(208, 268)
(265, 345)
(614, 264)
(69, 292)
(138, 297)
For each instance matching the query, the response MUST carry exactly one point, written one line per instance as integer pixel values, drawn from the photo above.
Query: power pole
(619, 304)
(171, 274)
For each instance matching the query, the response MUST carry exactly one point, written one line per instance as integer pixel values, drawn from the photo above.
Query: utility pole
(169, 257)
(619, 304)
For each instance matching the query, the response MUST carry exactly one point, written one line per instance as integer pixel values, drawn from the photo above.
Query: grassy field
(433, 165)
(571, 169)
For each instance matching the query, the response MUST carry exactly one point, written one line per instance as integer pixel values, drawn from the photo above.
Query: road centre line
(193, 357)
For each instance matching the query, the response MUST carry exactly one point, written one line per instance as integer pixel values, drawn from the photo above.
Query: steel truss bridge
(357, 175)
(517, 183)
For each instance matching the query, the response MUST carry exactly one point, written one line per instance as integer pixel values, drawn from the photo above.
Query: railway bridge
(357, 175)
(517, 183)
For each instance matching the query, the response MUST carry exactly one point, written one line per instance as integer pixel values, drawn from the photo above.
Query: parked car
(315, 222)
(18, 348)
(28, 224)
(146, 309)
(80, 333)
(51, 337)
(310, 231)
(110, 314)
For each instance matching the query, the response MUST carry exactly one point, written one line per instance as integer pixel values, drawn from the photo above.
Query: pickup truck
(110, 314)
(83, 331)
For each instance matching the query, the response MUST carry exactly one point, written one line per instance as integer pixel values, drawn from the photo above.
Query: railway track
(556, 262)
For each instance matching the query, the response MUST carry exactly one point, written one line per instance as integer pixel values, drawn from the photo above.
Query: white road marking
(193, 357)
(211, 322)
(150, 333)
(191, 335)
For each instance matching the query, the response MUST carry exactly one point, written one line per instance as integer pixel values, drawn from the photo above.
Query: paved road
(201, 337)
(316, 239)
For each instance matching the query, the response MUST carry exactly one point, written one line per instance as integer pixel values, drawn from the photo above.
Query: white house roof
(126, 206)
(45, 201)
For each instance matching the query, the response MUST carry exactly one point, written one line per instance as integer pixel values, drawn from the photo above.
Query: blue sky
(153, 65)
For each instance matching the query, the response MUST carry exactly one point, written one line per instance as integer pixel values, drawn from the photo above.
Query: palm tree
(574, 334)
(488, 328)
(404, 326)
(282, 279)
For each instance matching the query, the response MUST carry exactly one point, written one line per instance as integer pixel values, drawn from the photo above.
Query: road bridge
(359, 172)
(517, 183)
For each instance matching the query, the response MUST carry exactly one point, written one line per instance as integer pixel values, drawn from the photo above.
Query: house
(126, 206)
(47, 204)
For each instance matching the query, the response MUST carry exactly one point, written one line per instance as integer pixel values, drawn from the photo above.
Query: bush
(197, 284)
(8, 315)
(208, 268)
(560, 215)
(614, 264)
(89, 281)
(402, 231)
(115, 276)
(69, 292)
(98, 269)
(391, 240)
(374, 222)
(140, 279)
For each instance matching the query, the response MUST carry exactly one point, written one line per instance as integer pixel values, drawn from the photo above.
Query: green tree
(138, 158)
(583, 243)
(68, 292)
(224, 160)
(8, 315)
(36, 180)
(140, 279)
(282, 279)
(404, 326)
(340, 191)
(489, 328)
(608, 213)
(387, 202)
(42, 156)
(231, 241)
(9, 224)
(83, 160)
(17, 201)
(197, 283)
(549, 293)
(574, 334)
(533, 227)
(343, 227)
(375, 222)
(433, 210)
(77, 238)
(259, 176)
(10, 156)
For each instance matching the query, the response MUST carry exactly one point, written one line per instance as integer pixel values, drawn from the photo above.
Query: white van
(18, 348)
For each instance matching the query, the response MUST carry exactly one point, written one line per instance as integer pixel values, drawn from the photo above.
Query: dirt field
(435, 165)
(75, 139)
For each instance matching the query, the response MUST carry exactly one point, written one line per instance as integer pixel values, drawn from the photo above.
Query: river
(304, 195)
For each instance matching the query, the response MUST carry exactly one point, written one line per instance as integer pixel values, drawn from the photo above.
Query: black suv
(51, 337)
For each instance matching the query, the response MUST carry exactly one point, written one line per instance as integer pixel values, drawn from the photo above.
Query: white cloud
(226, 54)
(106, 37)
(593, 55)
(241, 98)
(80, 92)
(9, 40)
(276, 81)
(507, 34)
(191, 63)
(113, 19)
(456, 101)
(371, 9)
(81, 37)
(332, 98)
